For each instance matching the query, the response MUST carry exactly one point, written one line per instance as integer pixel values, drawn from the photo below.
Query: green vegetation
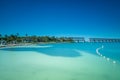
(16, 38)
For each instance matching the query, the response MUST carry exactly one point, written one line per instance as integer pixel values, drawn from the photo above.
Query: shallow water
(68, 61)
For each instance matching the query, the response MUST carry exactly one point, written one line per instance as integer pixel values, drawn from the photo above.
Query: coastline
(27, 44)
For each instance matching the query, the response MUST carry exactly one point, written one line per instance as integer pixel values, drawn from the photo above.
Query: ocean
(61, 61)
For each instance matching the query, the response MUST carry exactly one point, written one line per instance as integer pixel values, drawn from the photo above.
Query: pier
(78, 39)
(104, 40)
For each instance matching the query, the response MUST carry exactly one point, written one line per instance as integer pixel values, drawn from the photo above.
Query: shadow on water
(110, 50)
(51, 51)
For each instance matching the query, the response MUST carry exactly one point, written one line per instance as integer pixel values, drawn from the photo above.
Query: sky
(87, 18)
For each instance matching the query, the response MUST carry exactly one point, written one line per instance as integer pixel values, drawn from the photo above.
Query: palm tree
(33, 39)
(0, 36)
(26, 37)
(1, 39)
(6, 38)
(12, 38)
(17, 34)
(18, 39)
(62, 39)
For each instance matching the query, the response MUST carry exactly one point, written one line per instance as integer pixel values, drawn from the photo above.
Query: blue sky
(88, 18)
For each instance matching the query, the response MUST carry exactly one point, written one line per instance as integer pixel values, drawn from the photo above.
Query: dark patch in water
(62, 52)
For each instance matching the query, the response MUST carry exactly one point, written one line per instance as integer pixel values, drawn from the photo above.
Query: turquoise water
(61, 61)
(111, 50)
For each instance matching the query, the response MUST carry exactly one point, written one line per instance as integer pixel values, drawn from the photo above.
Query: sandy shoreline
(24, 44)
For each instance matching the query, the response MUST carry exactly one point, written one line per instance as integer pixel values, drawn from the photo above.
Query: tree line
(16, 38)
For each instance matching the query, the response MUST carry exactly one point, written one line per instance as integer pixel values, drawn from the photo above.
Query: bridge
(78, 39)
(104, 40)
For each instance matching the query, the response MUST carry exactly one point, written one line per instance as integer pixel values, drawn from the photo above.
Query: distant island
(16, 39)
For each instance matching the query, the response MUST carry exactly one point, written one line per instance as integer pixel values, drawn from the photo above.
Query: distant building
(78, 39)
(103, 40)
(3, 42)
